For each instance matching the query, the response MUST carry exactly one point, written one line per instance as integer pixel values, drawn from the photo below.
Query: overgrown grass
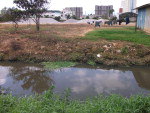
(125, 34)
(58, 64)
(52, 103)
(92, 63)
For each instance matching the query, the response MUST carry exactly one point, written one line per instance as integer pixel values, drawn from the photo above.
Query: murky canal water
(26, 79)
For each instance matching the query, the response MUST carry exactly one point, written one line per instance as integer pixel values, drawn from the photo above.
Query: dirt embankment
(27, 45)
(102, 52)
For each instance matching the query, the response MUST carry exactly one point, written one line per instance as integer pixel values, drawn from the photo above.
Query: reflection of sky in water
(3, 74)
(100, 81)
(25, 80)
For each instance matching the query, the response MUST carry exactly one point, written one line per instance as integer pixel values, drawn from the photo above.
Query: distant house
(143, 19)
(132, 16)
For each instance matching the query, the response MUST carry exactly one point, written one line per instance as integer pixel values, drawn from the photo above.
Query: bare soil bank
(26, 45)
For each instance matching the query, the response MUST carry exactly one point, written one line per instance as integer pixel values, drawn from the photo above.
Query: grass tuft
(58, 65)
(92, 63)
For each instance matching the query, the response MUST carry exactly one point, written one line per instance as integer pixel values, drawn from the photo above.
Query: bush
(96, 18)
(87, 17)
(57, 18)
(46, 16)
(74, 17)
(125, 50)
(90, 62)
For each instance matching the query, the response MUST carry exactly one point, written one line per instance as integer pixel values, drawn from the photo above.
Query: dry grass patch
(69, 31)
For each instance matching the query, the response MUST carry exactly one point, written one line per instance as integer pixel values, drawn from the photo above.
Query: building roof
(128, 14)
(54, 11)
(143, 6)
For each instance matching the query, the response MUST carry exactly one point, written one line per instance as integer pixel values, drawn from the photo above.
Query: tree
(4, 10)
(74, 17)
(114, 18)
(1, 19)
(96, 18)
(111, 12)
(46, 16)
(68, 16)
(14, 15)
(87, 17)
(33, 9)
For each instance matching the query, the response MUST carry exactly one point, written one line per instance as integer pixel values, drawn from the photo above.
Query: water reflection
(90, 82)
(33, 78)
(30, 78)
(142, 77)
(26, 79)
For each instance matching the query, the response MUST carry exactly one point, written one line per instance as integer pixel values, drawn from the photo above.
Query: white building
(129, 5)
(67, 12)
(53, 14)
(76, 11)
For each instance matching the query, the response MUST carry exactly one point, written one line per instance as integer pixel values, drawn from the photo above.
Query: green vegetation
(35, 12)
(125, 34)
(1, 56)
(125, 50)
(13, 15)
(92, 63)
(52, 103)
(59, 64)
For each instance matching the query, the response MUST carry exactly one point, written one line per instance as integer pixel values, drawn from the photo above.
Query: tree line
(24, 10)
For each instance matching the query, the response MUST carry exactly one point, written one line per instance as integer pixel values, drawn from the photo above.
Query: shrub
(1, 56)
(125, 50)
(57, 18)
(90, 62)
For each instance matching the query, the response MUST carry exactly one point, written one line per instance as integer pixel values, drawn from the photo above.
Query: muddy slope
(102, 52)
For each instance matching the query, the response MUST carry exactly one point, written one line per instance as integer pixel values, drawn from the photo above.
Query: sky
(88, 5)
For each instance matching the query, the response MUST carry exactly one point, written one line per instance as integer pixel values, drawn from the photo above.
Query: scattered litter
(99, 55)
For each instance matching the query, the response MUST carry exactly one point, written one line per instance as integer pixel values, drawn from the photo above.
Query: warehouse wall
(147, 20)
(141, 18)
